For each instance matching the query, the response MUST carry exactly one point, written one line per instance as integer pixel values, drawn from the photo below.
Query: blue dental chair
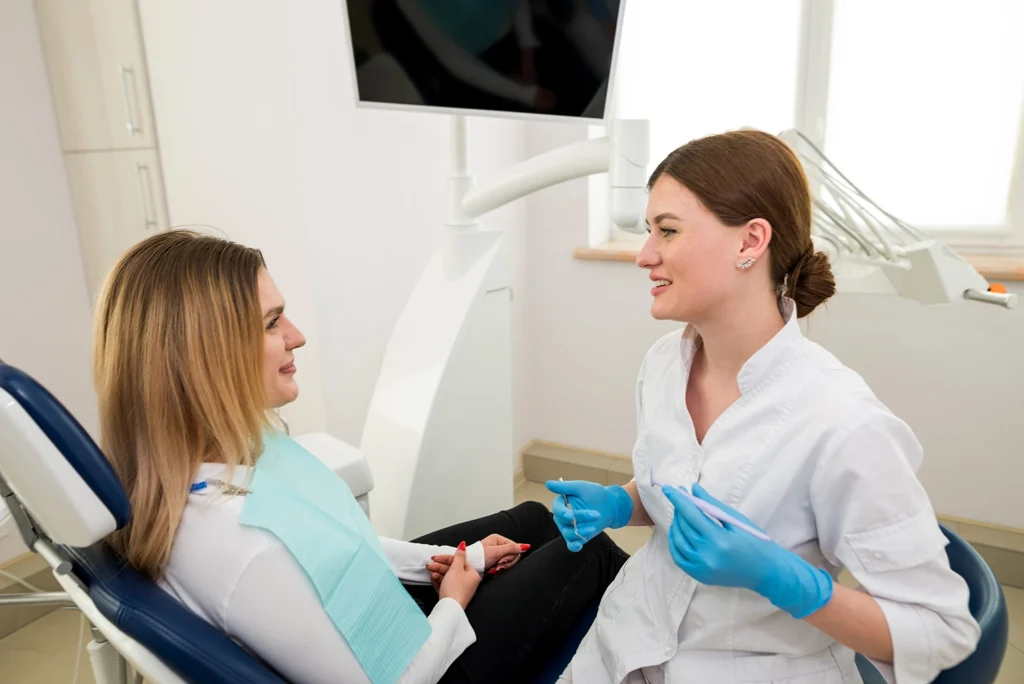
(65, 499)
(988, 607)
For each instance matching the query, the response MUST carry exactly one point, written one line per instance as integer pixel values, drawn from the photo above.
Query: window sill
(995, 268)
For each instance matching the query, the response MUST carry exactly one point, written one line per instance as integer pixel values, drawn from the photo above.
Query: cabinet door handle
(148, 222)
(129, 117)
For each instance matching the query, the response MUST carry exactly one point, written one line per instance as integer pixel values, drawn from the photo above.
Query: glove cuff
(810, 591)
(622, 505)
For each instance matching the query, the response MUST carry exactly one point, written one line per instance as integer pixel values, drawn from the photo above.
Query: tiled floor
(45, 651)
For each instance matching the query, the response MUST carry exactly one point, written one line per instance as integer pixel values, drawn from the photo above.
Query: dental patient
(193, 351)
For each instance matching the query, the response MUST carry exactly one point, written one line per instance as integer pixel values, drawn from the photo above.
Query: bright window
(924, 106)
(920, 103)
(695, 68)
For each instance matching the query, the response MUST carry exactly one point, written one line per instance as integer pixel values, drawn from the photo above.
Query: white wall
(45, 328)
(587, 322)
(955, 374)
(260, 136)
(222, 77)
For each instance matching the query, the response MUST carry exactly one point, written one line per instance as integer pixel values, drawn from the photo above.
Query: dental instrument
(565, 498)
(600, 507)
(714, 512)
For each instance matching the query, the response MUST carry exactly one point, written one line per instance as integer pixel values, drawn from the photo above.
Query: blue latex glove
(594, 506)
(723, 555)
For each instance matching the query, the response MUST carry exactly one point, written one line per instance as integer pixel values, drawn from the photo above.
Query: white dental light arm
(876, 252)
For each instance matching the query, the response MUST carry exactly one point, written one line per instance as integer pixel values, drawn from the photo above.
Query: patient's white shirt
(246, 583)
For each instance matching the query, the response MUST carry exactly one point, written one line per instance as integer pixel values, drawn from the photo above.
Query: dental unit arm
(438, 433)
(874, 251)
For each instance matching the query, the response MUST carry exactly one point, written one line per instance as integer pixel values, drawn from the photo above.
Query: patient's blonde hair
(177, 354)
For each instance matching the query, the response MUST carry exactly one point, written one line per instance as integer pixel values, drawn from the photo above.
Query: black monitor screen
(539, 57)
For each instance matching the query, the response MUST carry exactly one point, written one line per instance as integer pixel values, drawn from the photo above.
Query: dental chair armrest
(343, 458)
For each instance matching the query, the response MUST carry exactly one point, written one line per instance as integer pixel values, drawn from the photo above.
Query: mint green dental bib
(312, 512)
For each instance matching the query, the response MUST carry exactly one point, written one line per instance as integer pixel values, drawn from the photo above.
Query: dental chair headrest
(53, 466)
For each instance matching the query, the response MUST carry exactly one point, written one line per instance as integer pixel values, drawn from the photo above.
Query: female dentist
(741, 412)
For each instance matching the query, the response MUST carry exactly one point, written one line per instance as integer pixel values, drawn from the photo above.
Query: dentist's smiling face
(280, 339)
(691, 255)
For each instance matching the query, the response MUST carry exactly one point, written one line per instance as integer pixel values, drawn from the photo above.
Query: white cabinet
(97, 69)
(117, 202)
(96, 65)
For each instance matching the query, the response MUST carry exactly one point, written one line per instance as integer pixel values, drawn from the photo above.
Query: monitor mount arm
(623, 153)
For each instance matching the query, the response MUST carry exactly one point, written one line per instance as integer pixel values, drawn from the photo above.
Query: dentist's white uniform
(810, 455)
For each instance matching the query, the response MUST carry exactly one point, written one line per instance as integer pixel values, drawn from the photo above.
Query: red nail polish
(492, 571)
(462, 546)
(524, 547)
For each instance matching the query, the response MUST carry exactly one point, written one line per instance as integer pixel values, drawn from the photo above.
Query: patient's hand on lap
(460, 580)
(500, 554)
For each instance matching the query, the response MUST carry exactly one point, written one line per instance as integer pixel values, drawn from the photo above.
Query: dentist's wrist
(623, 506)
(798, 588)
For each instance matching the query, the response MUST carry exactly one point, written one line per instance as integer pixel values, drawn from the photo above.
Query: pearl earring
(746, 263)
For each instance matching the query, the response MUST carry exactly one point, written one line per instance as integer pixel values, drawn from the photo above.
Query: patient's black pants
(521, 614)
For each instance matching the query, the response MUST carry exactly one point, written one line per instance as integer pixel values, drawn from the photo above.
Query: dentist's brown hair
(742, 175)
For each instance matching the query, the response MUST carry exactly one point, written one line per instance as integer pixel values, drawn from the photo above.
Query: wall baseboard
(544, 461)
(1001, 547)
